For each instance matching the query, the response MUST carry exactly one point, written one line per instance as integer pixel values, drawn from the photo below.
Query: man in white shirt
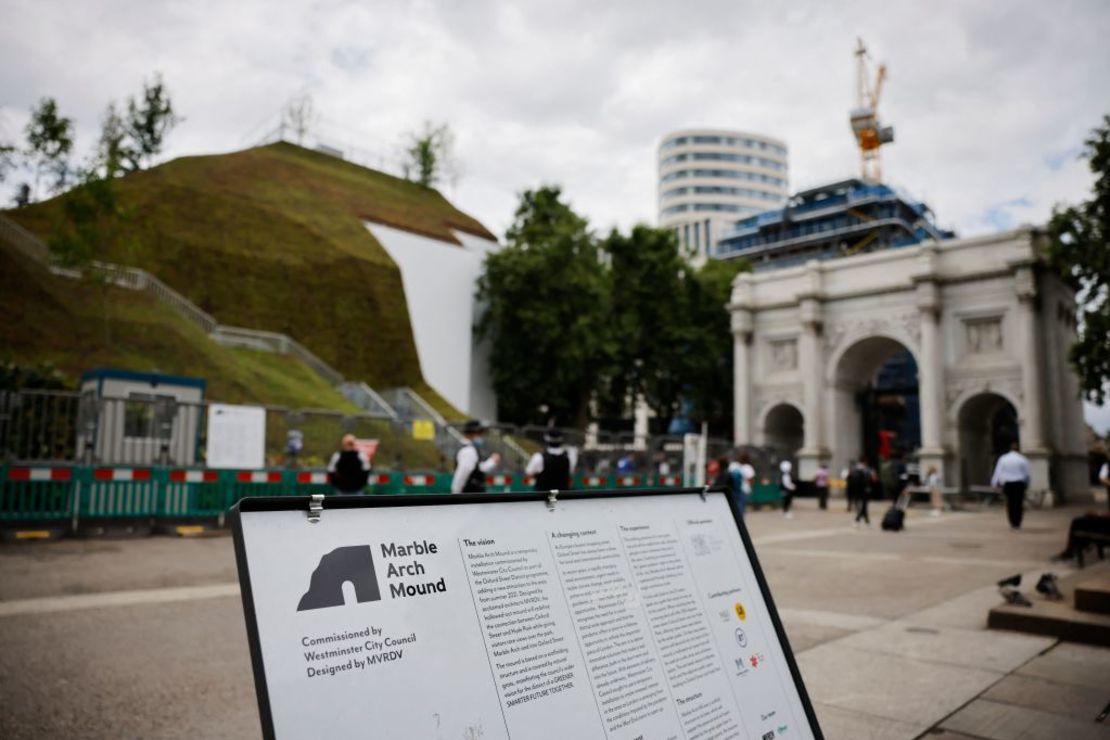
(743, 475)
(1011, 474)
(470, 468)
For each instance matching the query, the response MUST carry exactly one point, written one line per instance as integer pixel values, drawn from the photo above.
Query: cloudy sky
(990, 101)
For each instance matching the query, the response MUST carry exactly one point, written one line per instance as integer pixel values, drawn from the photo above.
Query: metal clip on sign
(704, 491)
(315, 507)
(552, 497)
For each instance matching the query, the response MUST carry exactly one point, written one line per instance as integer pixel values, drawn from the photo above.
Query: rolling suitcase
(894, 520)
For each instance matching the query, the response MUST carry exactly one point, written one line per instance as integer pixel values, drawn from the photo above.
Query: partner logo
(740, 613)
(755, 659)
(741, 669)
(343, 564)
(741, 638)
(769, 735)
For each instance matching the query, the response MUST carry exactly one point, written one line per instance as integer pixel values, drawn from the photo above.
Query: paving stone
(992, 651)
(804, 636)
(846, 724)
(890, 686)
(996, 721)
(1056, 698)
(1069, 663)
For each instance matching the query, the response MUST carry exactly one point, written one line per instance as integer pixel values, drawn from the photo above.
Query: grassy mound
(272, 238)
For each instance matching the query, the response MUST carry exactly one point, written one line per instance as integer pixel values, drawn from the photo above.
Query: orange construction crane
(870, 133)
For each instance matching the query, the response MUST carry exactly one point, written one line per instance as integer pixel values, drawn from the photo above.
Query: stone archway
(784, 430)
(988, 424)
(874, 390)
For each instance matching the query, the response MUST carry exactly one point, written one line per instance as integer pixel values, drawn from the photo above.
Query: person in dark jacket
(723, 478)
(471, 467)
(859, 490)
(349, 468)
(553, 467)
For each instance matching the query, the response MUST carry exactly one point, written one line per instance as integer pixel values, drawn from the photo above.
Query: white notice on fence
(611, 618)
(236, 436)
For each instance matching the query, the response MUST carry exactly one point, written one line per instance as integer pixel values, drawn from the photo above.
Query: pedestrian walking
(849, 492)
(723, 477)
(552, 468)
(470, 467)
(349, 468)
(859, 490)
(933, 483)
(821, 483)
(786, 488)
(1011, 474)
(743, 475)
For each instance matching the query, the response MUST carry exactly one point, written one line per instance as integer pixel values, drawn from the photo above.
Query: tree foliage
(573, 320)
(7, 159)
(49, 144)
(113, 149)
(546, 299)
(429, 155)
(149, 120)
(1080, 249)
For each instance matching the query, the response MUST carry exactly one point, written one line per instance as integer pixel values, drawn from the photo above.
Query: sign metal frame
(313, 504)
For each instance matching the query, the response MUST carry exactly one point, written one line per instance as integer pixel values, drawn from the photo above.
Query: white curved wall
(439, 280)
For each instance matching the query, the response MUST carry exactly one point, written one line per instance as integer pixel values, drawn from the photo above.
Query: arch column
(930, 370)
(811, 364)
(742, 378)
(1032, 389)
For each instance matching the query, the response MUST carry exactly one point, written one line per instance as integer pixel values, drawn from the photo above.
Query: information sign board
(236, 436)
(613, 615)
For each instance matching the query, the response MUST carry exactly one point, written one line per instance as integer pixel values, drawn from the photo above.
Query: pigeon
(1047, 586)
(1015, 597)
(1014, 581)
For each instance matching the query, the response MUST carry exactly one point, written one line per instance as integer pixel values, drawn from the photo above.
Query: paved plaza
(144, 637)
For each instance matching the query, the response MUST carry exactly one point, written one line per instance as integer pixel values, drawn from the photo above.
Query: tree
(547, 318)
(49, 143)
(113, 149)
(92, 216)
(429, 156)
(298, 116)
(7, 159)
(1080, 248)
(149, 121)
(648, 316)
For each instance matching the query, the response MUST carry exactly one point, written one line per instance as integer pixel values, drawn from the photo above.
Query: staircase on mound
(404, 404)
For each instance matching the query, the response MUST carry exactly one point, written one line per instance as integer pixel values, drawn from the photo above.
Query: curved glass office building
(711, 178)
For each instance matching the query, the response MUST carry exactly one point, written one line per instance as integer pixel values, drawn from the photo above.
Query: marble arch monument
(987, 324)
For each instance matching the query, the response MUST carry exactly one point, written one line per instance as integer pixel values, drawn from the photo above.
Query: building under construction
(842, 218)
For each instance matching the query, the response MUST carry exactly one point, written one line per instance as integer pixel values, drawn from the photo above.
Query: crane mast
(869, 132)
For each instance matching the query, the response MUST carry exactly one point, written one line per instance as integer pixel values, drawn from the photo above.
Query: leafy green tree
(49, 144)
(546, 297)
(113, 148)
(429, 155)
(149, 120)
(91, 217)
(648, 318)
(1080, 249)
(710, 376)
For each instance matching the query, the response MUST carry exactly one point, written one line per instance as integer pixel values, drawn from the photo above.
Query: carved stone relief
(984, 335)
(784, 354)
(899, 325)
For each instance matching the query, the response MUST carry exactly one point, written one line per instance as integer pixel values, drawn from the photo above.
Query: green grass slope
(272, 238)
(61, 321)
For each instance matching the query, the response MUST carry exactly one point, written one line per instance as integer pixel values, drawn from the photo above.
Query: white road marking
(50, 604)
(887, 556)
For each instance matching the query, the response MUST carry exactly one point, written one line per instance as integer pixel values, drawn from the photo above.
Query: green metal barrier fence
(57, 496)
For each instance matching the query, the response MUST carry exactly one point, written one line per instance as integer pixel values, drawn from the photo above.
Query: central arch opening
(784, 431)
(988, 425)
(877, 409)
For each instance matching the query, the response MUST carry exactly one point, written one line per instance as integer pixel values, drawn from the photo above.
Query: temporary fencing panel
(37, 493)
(123, 493)
(193, 493)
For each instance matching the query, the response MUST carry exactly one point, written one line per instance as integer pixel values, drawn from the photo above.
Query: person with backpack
(470, 467)
(349, 468)
(552, 468)
(786, 488)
